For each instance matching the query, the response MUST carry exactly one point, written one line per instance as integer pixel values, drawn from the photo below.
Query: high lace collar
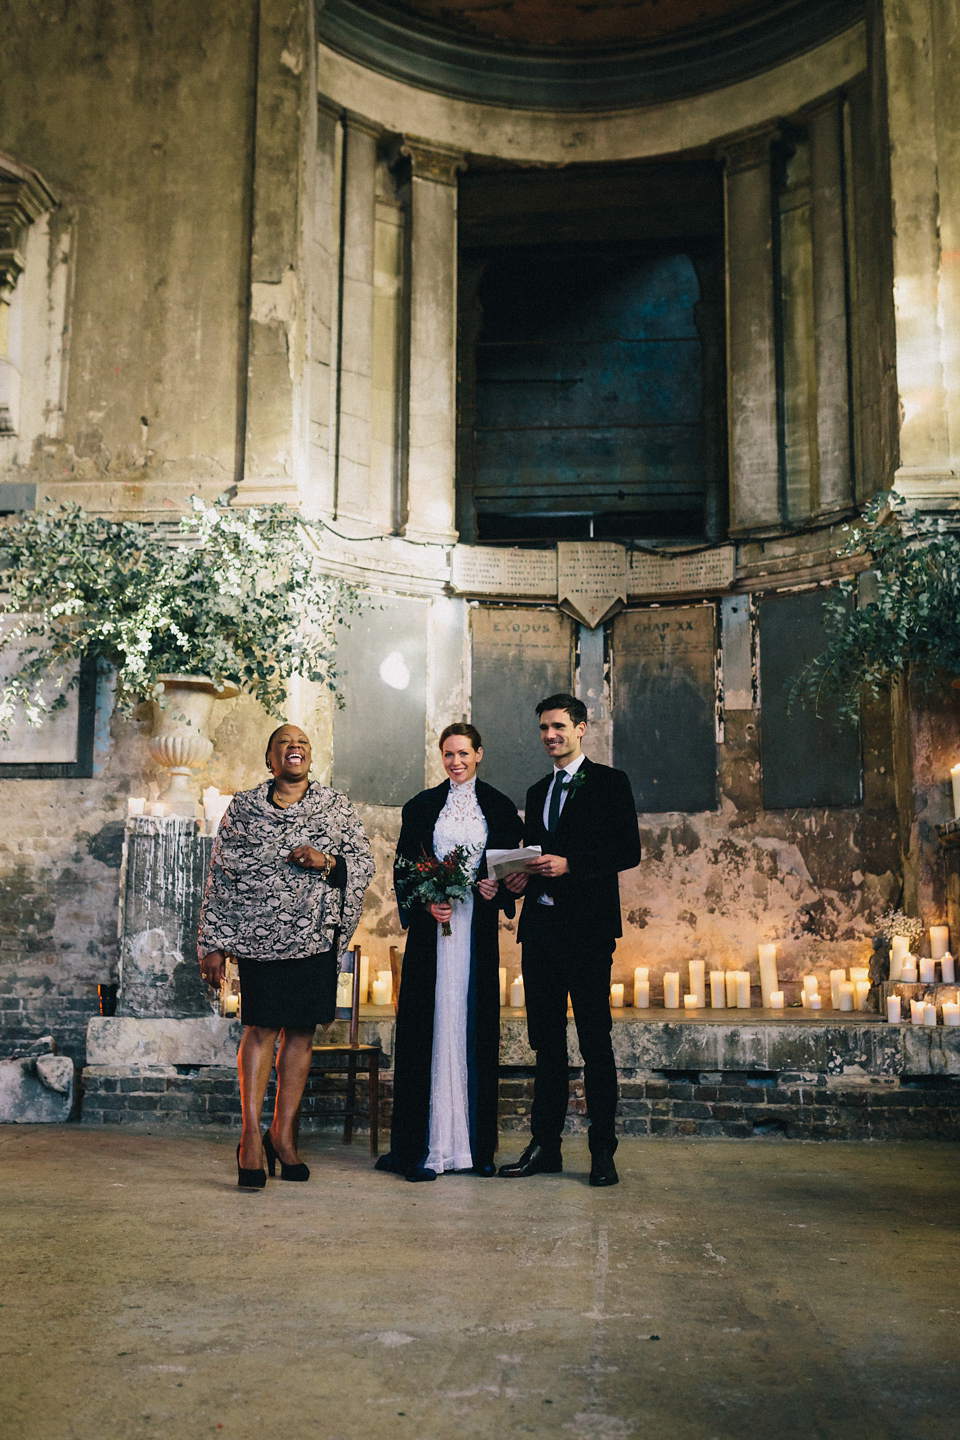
(467, 788)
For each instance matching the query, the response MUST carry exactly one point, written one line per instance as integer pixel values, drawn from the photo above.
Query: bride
(446, 1060)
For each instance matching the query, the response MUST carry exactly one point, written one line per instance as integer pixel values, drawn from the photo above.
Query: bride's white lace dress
(460, 822)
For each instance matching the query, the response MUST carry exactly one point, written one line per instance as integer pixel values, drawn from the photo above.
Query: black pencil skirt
(289, 994)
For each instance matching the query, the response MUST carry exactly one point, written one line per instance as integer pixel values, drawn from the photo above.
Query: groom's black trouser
(555, 965)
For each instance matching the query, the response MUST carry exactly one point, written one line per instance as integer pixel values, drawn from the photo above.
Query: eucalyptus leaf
(236, 594)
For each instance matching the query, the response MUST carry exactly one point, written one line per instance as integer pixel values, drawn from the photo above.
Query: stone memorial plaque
(709, 571)
(664, 706)
(487, 570)
(591, 579)
(519, 657)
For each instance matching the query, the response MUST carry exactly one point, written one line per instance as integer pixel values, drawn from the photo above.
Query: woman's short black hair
(460, 727)
(575, 708)
(266, 753)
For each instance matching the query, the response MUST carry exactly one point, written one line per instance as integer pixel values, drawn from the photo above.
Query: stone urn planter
(180, 743)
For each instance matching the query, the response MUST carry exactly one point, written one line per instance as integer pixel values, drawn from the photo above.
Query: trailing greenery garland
(912, 616)
(236, 594)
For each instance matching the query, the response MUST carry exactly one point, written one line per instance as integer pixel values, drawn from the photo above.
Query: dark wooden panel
(519, 657)
(589, 382)
(806, 759)
(379, 735)
(664, 706)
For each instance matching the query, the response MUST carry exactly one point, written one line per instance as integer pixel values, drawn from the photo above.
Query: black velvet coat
(413, 1043)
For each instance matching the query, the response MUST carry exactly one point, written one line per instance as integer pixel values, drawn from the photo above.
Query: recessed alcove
(591, 373)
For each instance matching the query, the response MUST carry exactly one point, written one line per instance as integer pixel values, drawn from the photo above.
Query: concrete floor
(724, 1290)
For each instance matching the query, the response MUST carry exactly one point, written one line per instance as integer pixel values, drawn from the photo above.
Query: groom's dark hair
(575, 708)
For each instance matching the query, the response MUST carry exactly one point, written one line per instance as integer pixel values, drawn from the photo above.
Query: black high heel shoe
(287, 1172)
(250, 1179)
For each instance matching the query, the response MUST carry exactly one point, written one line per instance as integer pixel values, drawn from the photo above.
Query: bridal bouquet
(429, 881)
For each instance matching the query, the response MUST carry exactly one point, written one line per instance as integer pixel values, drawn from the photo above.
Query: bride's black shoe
(287, 1172)
(250, 1179)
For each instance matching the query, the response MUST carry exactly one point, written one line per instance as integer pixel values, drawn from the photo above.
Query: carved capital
(23, 197)
(748, 150)
(432, 162)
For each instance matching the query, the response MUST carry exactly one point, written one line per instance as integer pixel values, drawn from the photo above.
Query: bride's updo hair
(462, 728)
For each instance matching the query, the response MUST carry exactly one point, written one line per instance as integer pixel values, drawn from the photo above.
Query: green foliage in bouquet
(912, 616)
(236, 594)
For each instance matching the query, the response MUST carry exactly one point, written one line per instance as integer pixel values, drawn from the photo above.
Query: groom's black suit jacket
(598, 835)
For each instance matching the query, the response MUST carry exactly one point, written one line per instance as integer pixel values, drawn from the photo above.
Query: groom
(584, 819)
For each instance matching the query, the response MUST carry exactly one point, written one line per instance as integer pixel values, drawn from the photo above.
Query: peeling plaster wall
(138, 115)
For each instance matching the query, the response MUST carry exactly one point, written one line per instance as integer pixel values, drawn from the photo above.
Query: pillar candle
(344, 987)
(847, 995)
(231, 1004)
(386, 979)
(928, 971)
(743, 990)
(516, 993)
(776, 1000)
(811, 984)
(380, 996)
(731, 985)
(955, 778)
(813, 1001)
(642, 972)
(718, 990)
(641, 994)
(503, 985)
(929, 1014)
(896, 964)
(616, 996)
(900, 947)
(859, 972)
(804, 998)
(671, 990)
(156, 808)
(939, 941)
(698, 984)
(689, 1002)
(946, 969)
(916, 1012)
(364, 978)
(908, 974)
(951, 1013)
(135, 804)
(837, 978)
(893, 1009)
(769, 980)
(862, 991)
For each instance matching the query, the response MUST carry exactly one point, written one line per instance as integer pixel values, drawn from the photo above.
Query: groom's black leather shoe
(602, 1169)
(534, 1161)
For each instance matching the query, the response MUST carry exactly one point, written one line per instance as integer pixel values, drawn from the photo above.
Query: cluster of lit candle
(214, 807)
(923, 1012)
(376, 989)
(910, 969)
(140, 805)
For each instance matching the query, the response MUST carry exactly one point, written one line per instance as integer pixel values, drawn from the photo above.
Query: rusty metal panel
(519, 657)
(664, 706)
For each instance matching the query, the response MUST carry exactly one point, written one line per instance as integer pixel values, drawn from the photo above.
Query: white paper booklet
(505, 862)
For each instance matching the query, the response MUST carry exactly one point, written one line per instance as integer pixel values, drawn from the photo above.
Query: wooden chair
(395, 972)
(344, 1059)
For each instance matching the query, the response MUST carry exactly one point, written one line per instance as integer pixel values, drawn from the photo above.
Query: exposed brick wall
(739, 1105)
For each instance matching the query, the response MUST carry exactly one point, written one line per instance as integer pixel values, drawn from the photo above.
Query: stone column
(324, 301)
(356, 328)
(751, 337)
(920, 48)
(431, 467)
(830, 309)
